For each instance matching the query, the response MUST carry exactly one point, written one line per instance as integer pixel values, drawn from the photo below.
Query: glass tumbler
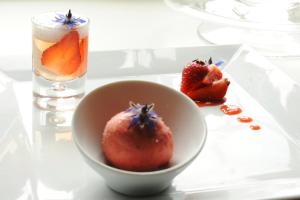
(59, 59)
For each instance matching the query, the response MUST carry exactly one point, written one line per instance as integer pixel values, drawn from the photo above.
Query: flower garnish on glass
(69, 20)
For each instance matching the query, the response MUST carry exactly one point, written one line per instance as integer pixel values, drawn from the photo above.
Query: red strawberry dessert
(137, 140)
(63, 58)
(203, 82)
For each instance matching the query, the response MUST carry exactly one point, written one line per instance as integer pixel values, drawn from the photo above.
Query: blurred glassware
(270, 26)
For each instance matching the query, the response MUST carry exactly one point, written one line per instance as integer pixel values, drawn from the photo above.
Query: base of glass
(61, 96)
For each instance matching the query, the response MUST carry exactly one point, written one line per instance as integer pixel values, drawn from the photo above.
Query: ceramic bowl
(179, 112)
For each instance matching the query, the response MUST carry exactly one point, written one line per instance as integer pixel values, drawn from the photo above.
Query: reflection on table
(58, 167)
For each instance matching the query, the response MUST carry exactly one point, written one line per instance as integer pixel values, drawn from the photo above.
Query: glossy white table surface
(115, 25)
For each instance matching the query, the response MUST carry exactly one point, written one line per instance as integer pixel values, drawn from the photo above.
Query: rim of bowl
(166, 170)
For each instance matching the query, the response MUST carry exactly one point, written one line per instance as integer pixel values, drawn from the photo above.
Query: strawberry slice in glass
(63, 58)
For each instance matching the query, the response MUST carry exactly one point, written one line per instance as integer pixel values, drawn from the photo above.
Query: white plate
(42, 162)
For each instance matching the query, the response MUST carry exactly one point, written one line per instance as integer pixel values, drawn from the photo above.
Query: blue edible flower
(142, 115)
(68, 20)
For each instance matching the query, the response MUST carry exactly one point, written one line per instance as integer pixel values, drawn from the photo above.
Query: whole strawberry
(192, 75)
(202, 81)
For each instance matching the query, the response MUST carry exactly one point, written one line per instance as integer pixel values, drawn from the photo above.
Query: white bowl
(179, 112)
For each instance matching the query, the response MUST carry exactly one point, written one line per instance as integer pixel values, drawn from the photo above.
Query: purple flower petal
(134, 122)
(80, 20)
(219, 63)
(142, 115)
(151, 124)
(70, 23)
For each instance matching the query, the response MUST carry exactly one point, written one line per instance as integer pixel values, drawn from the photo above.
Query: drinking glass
(270, 26)
(59, 59)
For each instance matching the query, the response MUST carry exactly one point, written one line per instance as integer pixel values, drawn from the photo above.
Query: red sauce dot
(244, 119)
(230, 109)
(255, 127)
